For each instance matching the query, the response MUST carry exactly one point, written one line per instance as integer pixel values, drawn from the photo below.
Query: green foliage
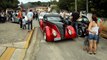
(8, 4)
(81, 5)
(99, 7)
(34, 4)
(69, 5)
(38, 3)
(53, 2)
(65, 4)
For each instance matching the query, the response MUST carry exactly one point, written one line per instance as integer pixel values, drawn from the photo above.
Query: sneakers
(28, 30)
(92, 53)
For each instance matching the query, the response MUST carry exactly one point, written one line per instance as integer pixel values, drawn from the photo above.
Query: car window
(54, 19)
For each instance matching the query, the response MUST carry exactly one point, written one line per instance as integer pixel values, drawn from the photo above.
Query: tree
(65, 4)
(39, 3)
(8, 4)
(99, 7)
(81, 5)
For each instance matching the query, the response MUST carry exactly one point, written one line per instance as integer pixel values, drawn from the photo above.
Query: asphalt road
(65, 50)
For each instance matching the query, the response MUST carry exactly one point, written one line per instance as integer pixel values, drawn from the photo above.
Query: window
(54, 19)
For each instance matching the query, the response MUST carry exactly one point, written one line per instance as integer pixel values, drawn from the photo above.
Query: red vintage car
(55, 28)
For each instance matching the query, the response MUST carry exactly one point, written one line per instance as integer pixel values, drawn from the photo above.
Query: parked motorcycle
(82, 26)
(2, 18)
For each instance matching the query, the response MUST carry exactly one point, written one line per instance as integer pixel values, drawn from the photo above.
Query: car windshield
(54, 19)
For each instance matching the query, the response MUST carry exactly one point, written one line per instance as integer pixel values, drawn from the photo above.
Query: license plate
(57, 39)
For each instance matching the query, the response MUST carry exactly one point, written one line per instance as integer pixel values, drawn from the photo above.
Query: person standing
(30, 18)
(36, 15)
(93, 29)
(75, 16)
(24, 23)
(99, 22)
(20, 18)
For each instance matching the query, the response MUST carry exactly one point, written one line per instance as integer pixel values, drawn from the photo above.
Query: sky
(25, 1)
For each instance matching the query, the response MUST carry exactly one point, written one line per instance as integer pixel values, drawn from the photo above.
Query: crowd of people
(94, 28)
(26, 18)
(23, 17)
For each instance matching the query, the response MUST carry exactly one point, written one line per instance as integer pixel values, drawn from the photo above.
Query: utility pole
(87, 6)
(76, 5)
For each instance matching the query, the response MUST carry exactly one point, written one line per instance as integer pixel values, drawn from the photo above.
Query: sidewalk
(10, 33)
(15, 42)
(16, 53)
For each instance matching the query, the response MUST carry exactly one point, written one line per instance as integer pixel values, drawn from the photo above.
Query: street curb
(32, 46)
(29, 39)
(9, 51)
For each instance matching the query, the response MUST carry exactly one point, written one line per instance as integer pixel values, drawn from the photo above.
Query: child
(24, 23)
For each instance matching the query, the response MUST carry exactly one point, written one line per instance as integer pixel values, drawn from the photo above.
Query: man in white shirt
(30, 18)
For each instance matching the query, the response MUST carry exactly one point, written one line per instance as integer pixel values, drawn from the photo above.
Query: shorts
(93, 37)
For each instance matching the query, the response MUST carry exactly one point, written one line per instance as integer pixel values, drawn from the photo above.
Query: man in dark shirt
(75, 16)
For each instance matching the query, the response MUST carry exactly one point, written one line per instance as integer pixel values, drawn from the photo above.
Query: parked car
(83, 23)
(14, 18)
(55, 28)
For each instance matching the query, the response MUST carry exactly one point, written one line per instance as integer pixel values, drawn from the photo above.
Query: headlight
(70, 32)
(54, 32)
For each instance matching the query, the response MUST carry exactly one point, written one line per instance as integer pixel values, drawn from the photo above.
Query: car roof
(51, 14)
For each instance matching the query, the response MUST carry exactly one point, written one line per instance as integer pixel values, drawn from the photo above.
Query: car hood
(61, 28)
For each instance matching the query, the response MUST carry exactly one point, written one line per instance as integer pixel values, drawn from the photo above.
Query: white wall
(89, 15)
